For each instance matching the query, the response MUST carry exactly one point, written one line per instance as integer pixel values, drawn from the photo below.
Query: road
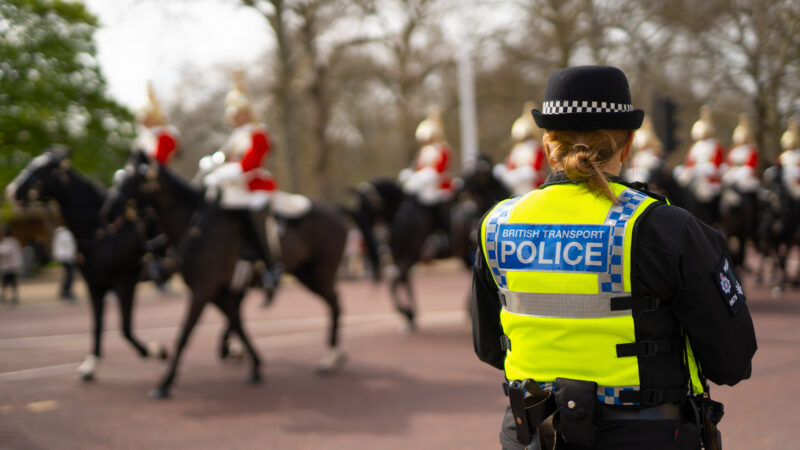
(397, 390)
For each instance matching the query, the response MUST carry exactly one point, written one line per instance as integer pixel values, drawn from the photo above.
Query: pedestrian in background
(64, 251)
(10, 265)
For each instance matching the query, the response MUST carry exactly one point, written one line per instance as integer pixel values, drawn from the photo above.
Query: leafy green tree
(52, 91)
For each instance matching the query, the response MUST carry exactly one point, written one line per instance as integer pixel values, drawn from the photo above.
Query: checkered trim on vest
(584, 106)
(618, 216)
(496, 218)
(605, 394)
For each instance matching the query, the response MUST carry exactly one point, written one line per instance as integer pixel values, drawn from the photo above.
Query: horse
(738, 221)
(109, 257)
(480, 190)
(211, 241)
(777, 226)
(412, 226)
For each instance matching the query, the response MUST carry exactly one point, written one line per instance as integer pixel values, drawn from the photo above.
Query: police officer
(600, 300)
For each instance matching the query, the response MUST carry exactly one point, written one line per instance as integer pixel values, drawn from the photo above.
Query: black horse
(738, 216)
(480, 191)
(109, 257)
(777, 228)
(212, 242)
(415, 230)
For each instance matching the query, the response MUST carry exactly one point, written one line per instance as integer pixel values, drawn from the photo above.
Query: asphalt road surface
(396, 391)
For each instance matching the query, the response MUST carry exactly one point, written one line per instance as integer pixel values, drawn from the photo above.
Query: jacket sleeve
(485, 312)
(722, 338)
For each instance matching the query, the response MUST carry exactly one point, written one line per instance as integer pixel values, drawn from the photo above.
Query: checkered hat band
(584, 106)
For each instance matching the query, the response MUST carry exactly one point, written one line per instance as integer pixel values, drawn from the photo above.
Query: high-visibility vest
(561, 259)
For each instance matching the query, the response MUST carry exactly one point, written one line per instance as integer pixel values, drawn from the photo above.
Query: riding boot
(441, 225)
(258, 231)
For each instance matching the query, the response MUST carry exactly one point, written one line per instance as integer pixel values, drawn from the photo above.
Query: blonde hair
(582, 154)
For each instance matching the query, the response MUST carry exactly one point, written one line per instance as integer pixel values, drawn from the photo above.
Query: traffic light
(663, 116)
(670, 125)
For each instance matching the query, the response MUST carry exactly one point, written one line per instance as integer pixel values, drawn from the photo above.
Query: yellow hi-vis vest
(558, 256)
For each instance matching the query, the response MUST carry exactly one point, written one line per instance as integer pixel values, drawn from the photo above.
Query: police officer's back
(599, 300)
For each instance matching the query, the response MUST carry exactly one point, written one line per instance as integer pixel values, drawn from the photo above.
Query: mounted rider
(742, 160)
(430, 182)
(701, 174)
(525, 168)
(159, 141)
(789, 160)
(240, 182)
(155, 137)
(647, 158)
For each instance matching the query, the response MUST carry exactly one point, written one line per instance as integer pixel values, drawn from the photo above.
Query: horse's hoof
(159, 393)
(156, 351)
(777, 292)
(224, 352)
(331, 361)
(255, 378)
(86, 377)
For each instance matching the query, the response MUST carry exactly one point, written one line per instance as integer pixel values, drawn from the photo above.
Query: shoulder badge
(729, 286)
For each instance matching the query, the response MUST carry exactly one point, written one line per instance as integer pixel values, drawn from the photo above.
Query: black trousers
(10, 280)
(66, 280)
(618, 435)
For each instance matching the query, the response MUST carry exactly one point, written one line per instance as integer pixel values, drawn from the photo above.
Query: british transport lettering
(553, 247)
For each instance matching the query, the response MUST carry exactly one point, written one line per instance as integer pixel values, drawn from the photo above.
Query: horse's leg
(334, 357)
(230, 305)
(406, 307)
(224, 348)
(192, 316)
(411, 301)
(125, 292)
(86, 369)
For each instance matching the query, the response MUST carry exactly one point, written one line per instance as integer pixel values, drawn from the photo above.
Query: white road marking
(357, 325)
(37, 372)
(251, 326)
(42, 406)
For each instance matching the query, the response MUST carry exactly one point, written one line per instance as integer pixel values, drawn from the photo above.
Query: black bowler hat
(588, 98)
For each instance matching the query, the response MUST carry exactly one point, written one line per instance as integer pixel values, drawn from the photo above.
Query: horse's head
(480, 184)
(133, 185)
(44, 178)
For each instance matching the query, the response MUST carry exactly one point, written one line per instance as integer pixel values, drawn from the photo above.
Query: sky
(141, 40)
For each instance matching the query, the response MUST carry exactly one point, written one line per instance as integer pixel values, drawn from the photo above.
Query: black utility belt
(643, 397)
(574, 410)
(667, 411)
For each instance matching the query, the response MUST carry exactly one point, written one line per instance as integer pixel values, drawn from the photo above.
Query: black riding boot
(256, 222)
(441, 227)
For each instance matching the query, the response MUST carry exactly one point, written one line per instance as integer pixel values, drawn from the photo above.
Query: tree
(52, 91)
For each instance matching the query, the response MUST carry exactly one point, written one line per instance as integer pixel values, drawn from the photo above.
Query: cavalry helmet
(524, 128)
(431, 129)
(703, 129)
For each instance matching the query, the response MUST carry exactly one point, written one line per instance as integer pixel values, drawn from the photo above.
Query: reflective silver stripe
(562, 306)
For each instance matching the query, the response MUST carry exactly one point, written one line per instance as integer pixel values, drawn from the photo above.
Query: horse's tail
(365, 226)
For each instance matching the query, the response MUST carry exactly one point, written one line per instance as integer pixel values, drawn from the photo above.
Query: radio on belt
(554, 247)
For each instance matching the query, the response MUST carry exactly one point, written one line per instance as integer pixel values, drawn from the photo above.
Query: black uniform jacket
(677, 259)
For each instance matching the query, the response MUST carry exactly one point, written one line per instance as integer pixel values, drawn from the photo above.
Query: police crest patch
(729, 286)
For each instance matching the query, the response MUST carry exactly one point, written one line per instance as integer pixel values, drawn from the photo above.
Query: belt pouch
(576, 402)
(711, 414)
(529, 406)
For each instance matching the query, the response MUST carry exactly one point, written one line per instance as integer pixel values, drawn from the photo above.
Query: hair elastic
(581, 145)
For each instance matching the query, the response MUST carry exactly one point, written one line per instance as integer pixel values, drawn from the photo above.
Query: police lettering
(532, 233)
(553, 247)
(526, 253)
